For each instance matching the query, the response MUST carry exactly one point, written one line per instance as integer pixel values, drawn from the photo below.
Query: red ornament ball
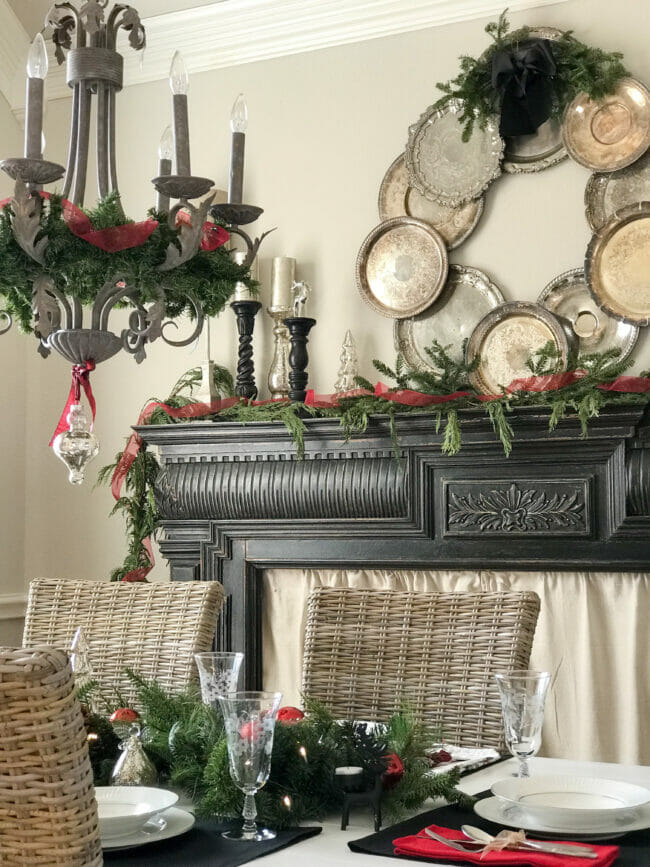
(394, 771)
(251, 730)
(124, 715)
(290, 714)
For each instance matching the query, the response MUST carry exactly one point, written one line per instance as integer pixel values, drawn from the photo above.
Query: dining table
(330, 847)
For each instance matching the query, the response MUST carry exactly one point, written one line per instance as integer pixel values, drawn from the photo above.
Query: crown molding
(12, 606)
(244, 31)
(14, 44)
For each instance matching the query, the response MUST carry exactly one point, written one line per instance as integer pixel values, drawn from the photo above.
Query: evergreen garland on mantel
(582, 399)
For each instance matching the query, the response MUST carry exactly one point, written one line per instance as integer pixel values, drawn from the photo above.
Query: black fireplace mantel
(234, 500)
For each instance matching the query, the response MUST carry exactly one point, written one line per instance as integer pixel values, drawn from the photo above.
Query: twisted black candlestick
(245, 312)
(299, 327)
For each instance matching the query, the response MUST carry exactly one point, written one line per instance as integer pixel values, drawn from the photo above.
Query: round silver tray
(568, 296)
(401, 267)
(505, 339)
(608, 192)
(442, 166)
(467, 296)
(617, 264)
(610, 133)
(398, 199)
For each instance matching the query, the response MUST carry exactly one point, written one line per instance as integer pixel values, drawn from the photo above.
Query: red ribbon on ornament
(80, 379)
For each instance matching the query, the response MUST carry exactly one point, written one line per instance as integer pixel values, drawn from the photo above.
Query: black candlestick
(245, 312)
(299, 327)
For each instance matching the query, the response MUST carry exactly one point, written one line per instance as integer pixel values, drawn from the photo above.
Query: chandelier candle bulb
(165, 153)
(179, 82)
(37, 66)
(283, 276)
(238, 126)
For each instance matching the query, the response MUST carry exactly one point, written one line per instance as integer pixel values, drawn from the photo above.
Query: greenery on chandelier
(80, 269)
(186, 741)
(579, 68)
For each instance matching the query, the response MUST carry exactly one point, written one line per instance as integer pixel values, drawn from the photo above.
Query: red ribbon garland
(403, 396)
(80, 379)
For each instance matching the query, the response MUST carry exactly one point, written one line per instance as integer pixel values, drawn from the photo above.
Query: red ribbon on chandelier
(80, 379)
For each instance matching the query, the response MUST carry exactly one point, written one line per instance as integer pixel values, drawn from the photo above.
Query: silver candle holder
(278, 380)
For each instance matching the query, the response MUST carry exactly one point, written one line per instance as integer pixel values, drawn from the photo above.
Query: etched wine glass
(249, 718)
(218, 673)
(523, 694)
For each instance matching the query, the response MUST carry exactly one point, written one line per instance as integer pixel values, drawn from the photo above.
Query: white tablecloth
(330, 849)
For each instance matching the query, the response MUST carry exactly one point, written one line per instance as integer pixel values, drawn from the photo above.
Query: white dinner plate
(565, 801)
(512, 816)
(178, 822)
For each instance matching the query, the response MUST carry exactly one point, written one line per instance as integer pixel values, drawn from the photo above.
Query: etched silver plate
(544, 148)
(444, 168)
(401, 267)
(617, 264)
(607, 193)
(568, 296)
(467, 296)
(505, 339)
(398, 199)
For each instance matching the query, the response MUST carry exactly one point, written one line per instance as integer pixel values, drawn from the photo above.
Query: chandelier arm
(72, 147)
(189, 235)
(26, 221)
(107, 297)
(47, 314)
(129, 21)
(4, 314)
(251, 246)
(102, 139)
(81, 157)
(200, 319)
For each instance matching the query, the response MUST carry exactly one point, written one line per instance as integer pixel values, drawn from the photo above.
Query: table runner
(204, 845)
(635, 847)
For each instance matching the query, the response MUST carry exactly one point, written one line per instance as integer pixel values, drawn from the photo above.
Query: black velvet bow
(522, 76)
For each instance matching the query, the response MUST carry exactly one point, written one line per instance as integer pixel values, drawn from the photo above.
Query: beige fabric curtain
(592, 635)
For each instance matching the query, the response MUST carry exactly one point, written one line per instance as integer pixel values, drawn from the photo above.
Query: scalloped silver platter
(401, 267)
(610, 133)
(617, 264)
(398, 199)
(468, 295)
(444, 168)
(505, 339)
(568, 295)
(544, 148)
(608, 192)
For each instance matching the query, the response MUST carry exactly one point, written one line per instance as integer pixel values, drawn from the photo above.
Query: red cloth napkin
(424, 847)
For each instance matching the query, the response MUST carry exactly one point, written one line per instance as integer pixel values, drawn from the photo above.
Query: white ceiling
(31, 13)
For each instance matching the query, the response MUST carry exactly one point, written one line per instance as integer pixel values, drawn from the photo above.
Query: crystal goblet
(523, 694)
(249, 718)
(218, 673)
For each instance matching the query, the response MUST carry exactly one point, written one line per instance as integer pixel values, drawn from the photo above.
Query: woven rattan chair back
(154, 629)
(369, 653)
(48, 813)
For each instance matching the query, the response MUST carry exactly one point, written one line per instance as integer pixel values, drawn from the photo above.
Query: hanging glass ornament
(77, 445)
(349, 369)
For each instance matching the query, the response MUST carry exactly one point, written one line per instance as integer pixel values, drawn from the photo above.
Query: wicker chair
(48, 813)
(370, 652)
(155, 629)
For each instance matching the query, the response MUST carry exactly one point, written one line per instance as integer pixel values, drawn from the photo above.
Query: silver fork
(455, 844)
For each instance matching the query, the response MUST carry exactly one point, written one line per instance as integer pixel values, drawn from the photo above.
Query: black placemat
(204, 845)
(635, 847)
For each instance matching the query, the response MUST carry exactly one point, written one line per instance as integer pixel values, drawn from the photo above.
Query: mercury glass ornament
(76, 446)
(349, 369)
(134, 767)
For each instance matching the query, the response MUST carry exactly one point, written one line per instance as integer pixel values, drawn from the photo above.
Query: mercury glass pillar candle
(37, 66)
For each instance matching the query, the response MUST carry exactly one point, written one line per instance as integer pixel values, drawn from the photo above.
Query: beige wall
(324, 127)
(13, 433)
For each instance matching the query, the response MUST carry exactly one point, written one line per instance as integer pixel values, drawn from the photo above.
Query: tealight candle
(283, 276)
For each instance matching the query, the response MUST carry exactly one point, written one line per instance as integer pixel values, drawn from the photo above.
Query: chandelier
(173, 262)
